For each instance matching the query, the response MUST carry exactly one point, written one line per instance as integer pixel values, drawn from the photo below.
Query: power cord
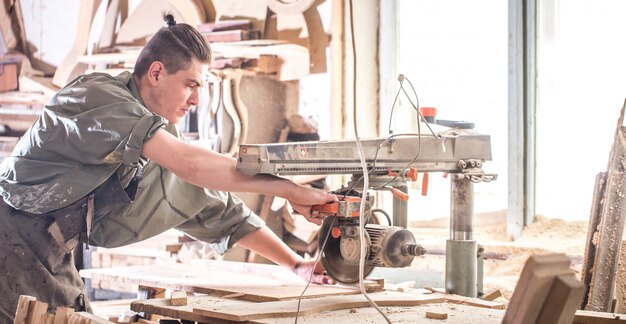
(365, 172)
(317, 259)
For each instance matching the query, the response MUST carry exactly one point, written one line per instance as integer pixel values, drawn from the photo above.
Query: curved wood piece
(145, 20)
(240, 106)
(231, 111)
(68, 68)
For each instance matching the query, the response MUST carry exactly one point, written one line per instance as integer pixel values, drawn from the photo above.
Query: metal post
(400, 208)
(461, 249)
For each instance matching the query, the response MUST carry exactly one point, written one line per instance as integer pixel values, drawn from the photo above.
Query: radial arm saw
(391, 162)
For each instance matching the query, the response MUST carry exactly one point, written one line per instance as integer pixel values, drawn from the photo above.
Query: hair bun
(169, 19)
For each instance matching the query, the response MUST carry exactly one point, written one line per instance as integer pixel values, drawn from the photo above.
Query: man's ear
(155, 72)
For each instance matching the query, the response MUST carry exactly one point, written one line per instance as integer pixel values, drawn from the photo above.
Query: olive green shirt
(90, 129)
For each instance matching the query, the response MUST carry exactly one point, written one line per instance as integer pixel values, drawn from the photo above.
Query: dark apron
(36, 251)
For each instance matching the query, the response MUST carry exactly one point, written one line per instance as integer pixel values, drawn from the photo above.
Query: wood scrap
(591, 317)
(490, 296)
(178, 298)
(435, 315)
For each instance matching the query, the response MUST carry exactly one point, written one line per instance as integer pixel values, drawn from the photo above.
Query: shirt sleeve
(92, 121)
(224, 228)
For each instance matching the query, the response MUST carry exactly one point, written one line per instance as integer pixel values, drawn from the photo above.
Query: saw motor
(385, 246)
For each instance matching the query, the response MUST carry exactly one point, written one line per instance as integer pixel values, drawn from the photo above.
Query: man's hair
(174, 46)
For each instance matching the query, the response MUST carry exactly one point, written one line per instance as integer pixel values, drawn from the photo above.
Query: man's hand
(304, 269)
(303, 198)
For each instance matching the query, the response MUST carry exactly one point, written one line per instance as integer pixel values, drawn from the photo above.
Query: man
(105, 164)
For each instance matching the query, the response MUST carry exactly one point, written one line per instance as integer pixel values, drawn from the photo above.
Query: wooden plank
(62, 315)
(590, 317)
(288, 308)
(476, 302)
(48, 318)
(533, 287)
(256, 282)
(23, 305)
(91, 318)
(620, 281)
(164, 308)
(562, 301)
(612, 225)
(592, 229)
(36, 312)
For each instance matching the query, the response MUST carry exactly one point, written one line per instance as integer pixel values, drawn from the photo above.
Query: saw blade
(343, 267)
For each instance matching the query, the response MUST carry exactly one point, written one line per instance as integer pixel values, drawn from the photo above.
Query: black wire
(382, 211)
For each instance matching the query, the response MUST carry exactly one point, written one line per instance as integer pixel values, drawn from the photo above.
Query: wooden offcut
(23, 306)
(546, 292)
(178, 298)
(36, 312)
(435, 315)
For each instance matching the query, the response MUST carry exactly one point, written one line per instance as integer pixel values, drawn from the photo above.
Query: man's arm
(211, 170)
(266, 243)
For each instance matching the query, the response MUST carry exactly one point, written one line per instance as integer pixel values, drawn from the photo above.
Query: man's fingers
(322, 279)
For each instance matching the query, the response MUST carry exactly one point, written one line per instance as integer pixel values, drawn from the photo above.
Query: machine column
(461, 249)
(400, 208)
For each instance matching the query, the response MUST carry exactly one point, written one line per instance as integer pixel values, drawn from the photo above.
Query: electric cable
(317, 259)
(365, 171)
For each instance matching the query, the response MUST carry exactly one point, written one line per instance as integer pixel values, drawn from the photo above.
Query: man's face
(176, 93)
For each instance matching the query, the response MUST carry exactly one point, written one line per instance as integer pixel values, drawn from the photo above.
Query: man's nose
(194, 98)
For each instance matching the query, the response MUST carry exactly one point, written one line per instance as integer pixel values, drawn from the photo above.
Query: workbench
(227, 292)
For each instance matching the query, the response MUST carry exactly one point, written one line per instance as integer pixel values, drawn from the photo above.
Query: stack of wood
(604, 270)
(31, 311)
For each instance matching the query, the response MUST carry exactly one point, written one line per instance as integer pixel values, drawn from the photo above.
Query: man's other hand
(304, 269)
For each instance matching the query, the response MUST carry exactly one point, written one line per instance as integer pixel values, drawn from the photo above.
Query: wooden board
(207, 308)
(254, 282)
(163, 307)
(288, 308)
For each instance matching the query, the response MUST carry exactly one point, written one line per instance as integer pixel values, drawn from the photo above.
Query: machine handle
(329, 208)
(399, 194)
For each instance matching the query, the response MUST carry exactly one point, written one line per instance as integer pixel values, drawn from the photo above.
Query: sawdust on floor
(505, 258)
